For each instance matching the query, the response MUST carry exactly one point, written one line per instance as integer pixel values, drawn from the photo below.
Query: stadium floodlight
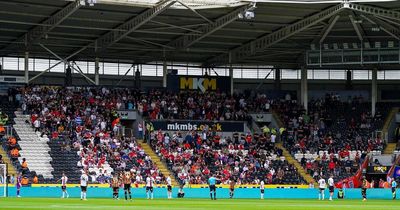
(88, 2)
(326, 46)
(249, 13)
(390, 44)
(367, 45)
(355, 45)
(335, 46)
(377, 44)
(345, 46)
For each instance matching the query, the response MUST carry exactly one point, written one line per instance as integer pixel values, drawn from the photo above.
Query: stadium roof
(198, 31)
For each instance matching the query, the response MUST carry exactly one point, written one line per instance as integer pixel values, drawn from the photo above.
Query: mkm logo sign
(195, 83)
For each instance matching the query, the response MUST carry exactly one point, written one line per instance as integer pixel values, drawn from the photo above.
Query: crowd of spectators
(342, 130)
(87, 121)
(195, 156)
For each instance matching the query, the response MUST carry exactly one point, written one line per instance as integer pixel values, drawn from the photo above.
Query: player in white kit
(169, 187)
(64, 180)
(322, 186)
(262, 188)
(84, 183)
(149, 187)
(331, 184)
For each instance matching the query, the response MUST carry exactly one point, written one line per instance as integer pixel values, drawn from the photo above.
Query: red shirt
(248, 139)
(187, 146)
(308, 165)
(331, 165)
(54, 135)
(206, 171)
(33, 118)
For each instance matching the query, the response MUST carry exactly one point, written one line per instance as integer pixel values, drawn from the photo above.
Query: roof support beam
(376, 11)
(51, 67)
(175, 26)
(194, 11)
(68, 64)
(189, 39)
(126, 73)
(149, 42)
(357, 28)
(131, 25)
(386, 27)
(329, 28)
(268, 40)
(389, 20)
(46, 26)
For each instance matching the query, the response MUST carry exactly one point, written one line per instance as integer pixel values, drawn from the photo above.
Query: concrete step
(161, 165)
(10, 166)
(390, 148)
(296, 164)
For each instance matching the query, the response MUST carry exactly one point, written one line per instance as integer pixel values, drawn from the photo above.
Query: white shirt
(322, 183)
(149, 182)
(36, 123)
(138, 179)
(84, 180)
(262, 185)
(330, 182)
(273, 137)
(169, 182)
(64, 180)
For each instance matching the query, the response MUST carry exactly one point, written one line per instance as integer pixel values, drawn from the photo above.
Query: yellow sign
(381, 169)
(202, 84)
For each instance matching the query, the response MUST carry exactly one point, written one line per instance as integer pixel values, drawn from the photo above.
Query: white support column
(231, 77)
(304, 88)
(26, 67)
(165, 72)
(374, 90)
(96, 71)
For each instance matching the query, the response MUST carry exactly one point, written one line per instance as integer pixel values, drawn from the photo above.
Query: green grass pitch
(193, 204)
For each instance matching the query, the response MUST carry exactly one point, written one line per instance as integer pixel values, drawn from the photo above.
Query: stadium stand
(83, 136)
(196, 156)
(334, 137)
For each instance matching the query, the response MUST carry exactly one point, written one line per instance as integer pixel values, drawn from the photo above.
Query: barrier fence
(161, 193)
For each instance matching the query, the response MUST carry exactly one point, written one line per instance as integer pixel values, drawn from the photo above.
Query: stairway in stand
(295, 163)
(156, 160)
(34, 147)
(390, 148)
(10, 167)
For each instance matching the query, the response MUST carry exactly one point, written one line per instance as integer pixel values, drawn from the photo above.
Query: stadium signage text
(378, 169)
(198, 83)
(198, 126)
(202, 84)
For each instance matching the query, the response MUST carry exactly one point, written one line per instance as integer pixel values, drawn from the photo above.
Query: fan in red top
(115, 122)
